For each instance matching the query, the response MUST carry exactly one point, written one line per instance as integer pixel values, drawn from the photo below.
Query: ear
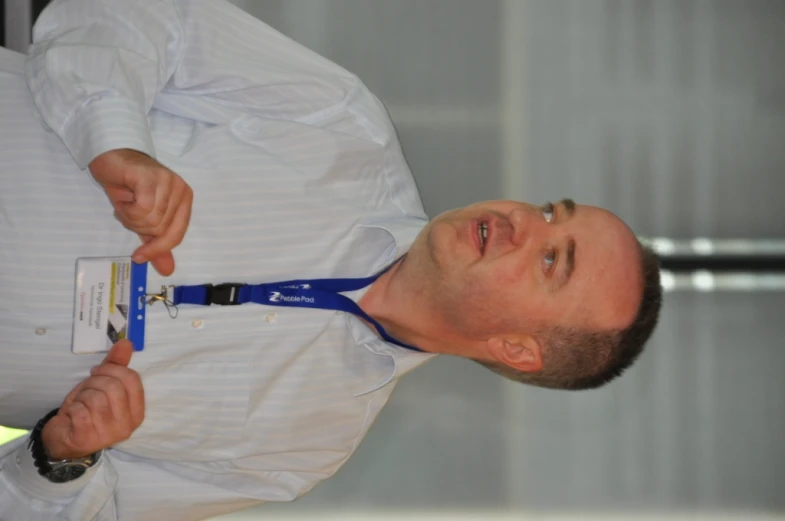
(519, 352)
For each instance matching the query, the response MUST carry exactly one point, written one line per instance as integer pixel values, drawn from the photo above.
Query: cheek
(441, 243)
(485, 301)
(511, 290)
(511, 276)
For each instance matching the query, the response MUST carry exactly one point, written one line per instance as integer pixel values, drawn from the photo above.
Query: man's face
(502, 267)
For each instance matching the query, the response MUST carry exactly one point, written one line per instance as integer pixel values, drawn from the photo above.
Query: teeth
(483, 233)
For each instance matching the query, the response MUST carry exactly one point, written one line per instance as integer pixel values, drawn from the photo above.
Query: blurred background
(671, 113)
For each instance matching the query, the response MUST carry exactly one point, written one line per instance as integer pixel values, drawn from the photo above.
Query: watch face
(66, 472)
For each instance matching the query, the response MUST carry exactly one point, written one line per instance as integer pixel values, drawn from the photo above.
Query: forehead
(606, 284)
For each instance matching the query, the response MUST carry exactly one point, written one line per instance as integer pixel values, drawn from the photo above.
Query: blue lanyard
(306, 293)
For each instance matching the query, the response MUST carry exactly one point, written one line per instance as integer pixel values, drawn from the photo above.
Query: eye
(547, 212)
(550, 259)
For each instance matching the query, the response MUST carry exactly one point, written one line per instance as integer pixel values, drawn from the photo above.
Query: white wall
(670, 113)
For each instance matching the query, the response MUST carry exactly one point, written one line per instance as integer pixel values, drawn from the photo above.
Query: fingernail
(139, 259)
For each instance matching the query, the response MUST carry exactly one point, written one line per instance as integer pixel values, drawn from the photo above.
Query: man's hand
(104, 409)
(148, 199)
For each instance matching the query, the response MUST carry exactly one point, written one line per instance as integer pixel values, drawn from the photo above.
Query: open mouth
(482, 233)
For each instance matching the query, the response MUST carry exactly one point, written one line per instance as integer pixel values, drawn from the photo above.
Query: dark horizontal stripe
(758, 264)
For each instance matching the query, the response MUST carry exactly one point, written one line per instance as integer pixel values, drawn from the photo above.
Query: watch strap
(36, 444)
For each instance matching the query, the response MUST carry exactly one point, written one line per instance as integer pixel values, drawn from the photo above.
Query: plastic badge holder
(109, 304)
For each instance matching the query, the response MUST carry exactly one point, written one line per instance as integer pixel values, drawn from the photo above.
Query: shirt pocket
(194, 410)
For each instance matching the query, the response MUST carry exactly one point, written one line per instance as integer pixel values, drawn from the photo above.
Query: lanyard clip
(163, 296)
(152, 298)
(226, 294)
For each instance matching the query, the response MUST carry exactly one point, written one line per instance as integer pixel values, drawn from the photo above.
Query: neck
(389, 304)
(399, 302)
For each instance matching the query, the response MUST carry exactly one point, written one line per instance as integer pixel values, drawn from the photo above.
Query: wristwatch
(57, 471)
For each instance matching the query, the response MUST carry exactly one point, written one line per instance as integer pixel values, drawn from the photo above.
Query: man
(295, 173)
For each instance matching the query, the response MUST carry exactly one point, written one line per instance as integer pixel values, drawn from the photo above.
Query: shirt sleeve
(24, 494)
(119, 486)
(98, 67)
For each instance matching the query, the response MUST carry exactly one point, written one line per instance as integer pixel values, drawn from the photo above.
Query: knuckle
(107, 369)
(146, 210)
(123, 378)
(96, 401)
(153, 231)
(115, 390)
(137, 417)
(161, 228)
(80, 416)
(156, 216)
(133, 381)
(186, 190)
(146, 204)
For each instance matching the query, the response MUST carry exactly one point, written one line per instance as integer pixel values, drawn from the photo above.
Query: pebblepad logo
(276, 296)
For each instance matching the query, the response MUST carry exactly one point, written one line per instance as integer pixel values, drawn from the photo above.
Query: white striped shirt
(296, 173)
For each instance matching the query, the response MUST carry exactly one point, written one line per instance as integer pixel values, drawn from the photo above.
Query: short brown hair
(578, 359)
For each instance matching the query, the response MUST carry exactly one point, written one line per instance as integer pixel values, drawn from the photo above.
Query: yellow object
(7, 434)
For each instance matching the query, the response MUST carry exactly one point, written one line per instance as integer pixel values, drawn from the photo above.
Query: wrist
(53, 449)
(22, 471)
(118, 154)
(58, 465)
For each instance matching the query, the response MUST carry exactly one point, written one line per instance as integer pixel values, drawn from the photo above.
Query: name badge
(109, 304)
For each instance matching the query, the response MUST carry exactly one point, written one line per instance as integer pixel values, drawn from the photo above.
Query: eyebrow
(569, 206)
(569, 266)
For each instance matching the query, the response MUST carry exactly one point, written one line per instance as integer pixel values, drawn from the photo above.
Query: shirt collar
(404, 360)
(404, 231)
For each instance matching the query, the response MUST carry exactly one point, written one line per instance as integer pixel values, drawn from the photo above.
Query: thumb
(164, 264)
(120, 353)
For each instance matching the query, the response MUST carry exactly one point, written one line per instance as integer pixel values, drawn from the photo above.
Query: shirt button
(197, 324)
(41, 331)
(270, 317)
(18, 460)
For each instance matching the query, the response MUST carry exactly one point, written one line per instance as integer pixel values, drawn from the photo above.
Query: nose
(526, 224)
(518, 218)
